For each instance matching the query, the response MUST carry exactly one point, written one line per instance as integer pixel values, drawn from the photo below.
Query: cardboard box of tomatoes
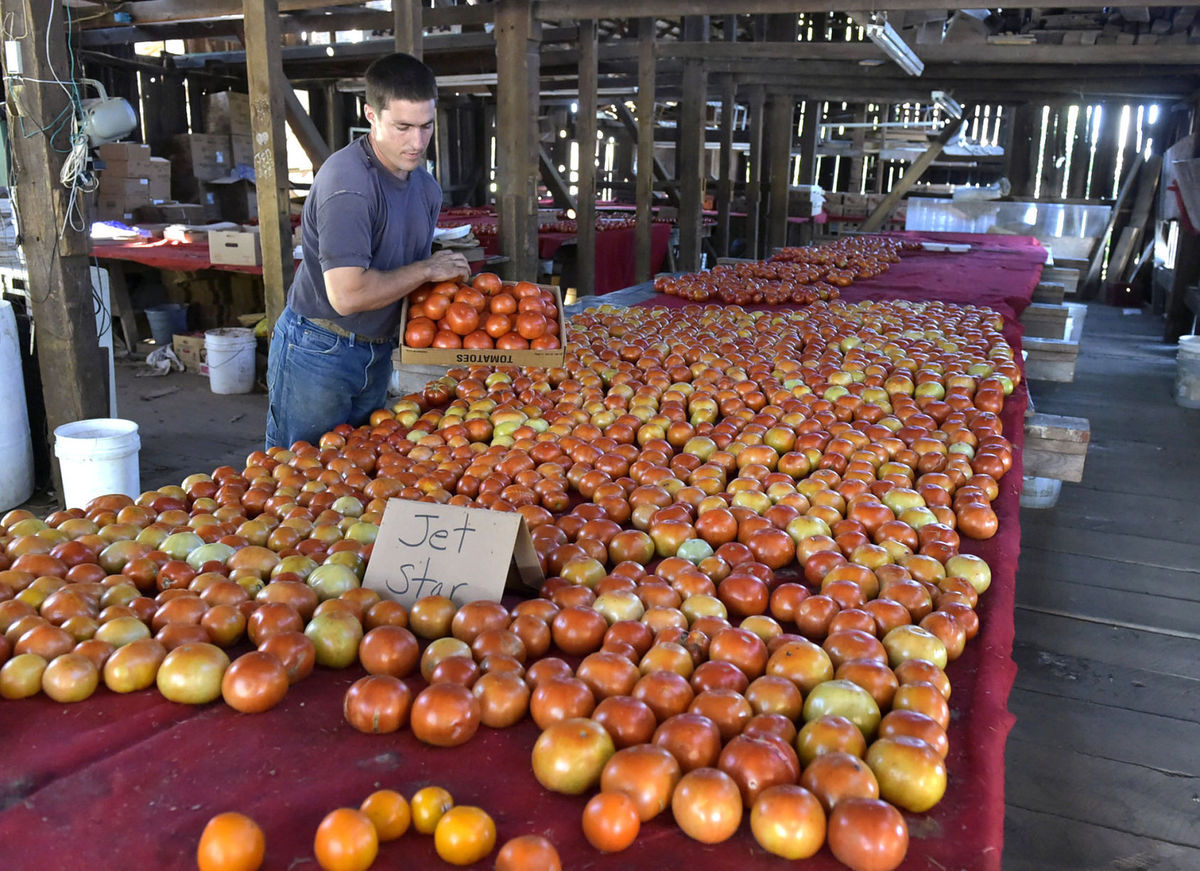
(498, 354)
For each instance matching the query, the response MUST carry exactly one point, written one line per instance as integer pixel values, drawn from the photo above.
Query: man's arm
(352, 289)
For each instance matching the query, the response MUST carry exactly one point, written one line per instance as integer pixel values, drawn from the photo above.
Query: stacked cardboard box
(124, 180)
(158, 174)
(227, 112)
(196, 159)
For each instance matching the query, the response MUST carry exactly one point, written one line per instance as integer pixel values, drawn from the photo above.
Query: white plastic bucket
(16, 447)
(97, 457)
(1187, 372)
(230, 359)
(1040, 492)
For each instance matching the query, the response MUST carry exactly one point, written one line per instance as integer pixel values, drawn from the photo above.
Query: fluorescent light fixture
(887, 38)
(947, 104)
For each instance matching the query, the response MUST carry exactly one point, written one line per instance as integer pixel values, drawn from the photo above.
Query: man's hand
(448, 265)
(353, 289)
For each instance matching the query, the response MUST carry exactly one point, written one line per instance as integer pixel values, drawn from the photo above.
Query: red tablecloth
(616, 255)
(126, 782)
(162, 254)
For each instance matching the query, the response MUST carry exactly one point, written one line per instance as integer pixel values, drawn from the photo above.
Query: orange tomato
(464, 835)
(528, 853)
(231, 842)
(428, 806)
(346, 840)
(389, 812)
(611, 821)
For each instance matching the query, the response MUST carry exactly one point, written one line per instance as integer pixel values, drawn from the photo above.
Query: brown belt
(346, 334)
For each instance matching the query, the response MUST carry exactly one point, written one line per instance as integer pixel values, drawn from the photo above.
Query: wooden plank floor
(1103, 765)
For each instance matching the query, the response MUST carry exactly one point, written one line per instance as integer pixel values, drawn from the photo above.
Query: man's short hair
(399, 76)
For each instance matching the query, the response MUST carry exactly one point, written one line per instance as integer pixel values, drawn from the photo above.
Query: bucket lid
(229, 333)
(96, 428)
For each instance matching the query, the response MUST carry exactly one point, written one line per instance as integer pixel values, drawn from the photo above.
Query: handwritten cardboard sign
(426, 549)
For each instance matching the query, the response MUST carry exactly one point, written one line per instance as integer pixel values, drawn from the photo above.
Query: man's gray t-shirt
(359, 214)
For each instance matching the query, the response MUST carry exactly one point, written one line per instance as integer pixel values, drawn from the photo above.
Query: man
(367, 234)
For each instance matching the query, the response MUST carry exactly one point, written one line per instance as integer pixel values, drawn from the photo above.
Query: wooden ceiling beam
(967, 53)
(551, 10)
(164, 13)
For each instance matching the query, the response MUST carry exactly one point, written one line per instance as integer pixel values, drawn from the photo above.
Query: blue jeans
(317, 379)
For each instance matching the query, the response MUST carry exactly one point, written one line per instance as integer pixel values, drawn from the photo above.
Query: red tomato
(377, 704)
(254, 682)
(867, 834)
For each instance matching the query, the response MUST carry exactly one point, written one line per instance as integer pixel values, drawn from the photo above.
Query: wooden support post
(264, 70)
(875, 220)
(1131, 238)
(725, 171)
(302, 125)
(407, 27)
(518, 39)
(72, 367)
(781, 133)
(441, 126)
(646, 164)
(1079, 148)
(554, 181)
(808, 141)
(1019, 148)
(754, 184)
(585, 131)
(634, 125)
(858, 161)
(689, 149)
(1089, 285)
(1048, 155)
(1105, 163)
(780, 112)
(335, 117)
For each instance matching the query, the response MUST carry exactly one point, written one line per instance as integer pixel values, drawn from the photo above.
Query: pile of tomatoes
(483, 314)
(793, 276)
(754, 283)
(750, 526)
(567, 224)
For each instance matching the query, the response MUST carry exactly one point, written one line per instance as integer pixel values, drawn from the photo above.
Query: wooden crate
(1068, 277)
(1050, 292)
(1041, 321)
(1054, 359)
(1055, 446)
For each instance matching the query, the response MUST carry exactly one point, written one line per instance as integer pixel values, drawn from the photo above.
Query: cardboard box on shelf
(125, 158)
(235, 247)
(241, 150)
(124, 186)
(227, 112)
(237, 199)
(210, 201)
(202, 156)
(159, 176)
(170, 213)
(405, 355)
(118, 207)
(189, 348)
